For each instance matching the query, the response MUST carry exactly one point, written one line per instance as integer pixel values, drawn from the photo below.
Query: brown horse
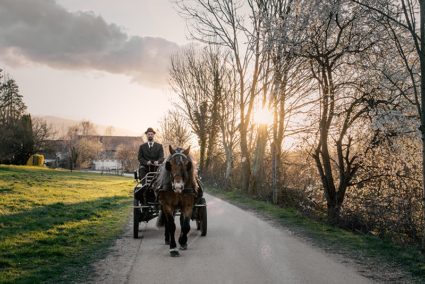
(176, 186)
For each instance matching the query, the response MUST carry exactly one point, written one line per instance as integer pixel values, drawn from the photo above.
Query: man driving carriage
(151, 154)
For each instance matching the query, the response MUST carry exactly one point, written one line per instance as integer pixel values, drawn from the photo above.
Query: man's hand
(156, 163)
(149, 163)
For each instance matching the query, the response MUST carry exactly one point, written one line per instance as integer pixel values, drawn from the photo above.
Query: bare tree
(229, 117)
(191, 81)
(71, 139)
(110, 131)
(87, 128)
(174, 130)
(222, 23)
(127, 155)
(106, 141)
(88, 150)
(285, 87)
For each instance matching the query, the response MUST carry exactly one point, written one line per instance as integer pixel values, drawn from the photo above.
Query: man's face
(150, 136)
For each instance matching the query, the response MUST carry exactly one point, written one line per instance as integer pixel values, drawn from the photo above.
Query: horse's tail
(160, 221)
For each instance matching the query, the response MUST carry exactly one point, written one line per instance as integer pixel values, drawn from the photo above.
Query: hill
(61, 124)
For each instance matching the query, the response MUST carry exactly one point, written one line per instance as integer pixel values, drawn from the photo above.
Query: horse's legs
(171, 228)
(185, 224)
(167, 236)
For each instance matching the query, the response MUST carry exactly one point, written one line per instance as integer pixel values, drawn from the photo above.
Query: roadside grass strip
(343, 242)
(53, 223)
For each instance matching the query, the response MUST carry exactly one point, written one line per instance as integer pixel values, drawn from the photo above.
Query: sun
(263, 116)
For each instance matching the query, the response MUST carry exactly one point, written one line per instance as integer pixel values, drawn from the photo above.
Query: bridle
(179, 161)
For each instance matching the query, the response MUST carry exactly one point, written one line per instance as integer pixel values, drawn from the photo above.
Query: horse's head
(179, 164)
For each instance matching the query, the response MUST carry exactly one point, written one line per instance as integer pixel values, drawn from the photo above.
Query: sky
(102, 60)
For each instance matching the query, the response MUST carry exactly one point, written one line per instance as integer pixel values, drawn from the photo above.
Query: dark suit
(155, 153)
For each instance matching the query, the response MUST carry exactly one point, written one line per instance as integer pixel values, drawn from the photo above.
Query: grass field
(371, 250)
(53, 223)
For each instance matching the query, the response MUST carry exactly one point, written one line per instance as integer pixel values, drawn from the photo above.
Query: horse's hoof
(167, 242)
(174, 252)
(183, 247)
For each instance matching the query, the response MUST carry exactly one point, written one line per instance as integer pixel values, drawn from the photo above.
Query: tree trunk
(274, 173)
(422, 114)
(228, 168)
(229, 155)
(202, 146)
(423, 179)
(246, 165)
(258, 159)
(214, 119)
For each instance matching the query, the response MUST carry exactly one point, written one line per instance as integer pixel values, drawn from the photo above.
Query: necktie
(150, 145)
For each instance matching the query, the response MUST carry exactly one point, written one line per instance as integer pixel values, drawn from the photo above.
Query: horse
(176, 186)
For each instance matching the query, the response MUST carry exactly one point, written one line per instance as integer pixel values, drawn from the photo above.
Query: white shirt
(150, 144)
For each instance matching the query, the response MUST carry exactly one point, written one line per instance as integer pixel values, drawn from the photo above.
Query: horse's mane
(164, 176)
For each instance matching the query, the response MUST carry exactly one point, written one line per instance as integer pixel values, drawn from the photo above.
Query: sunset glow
(263, 116)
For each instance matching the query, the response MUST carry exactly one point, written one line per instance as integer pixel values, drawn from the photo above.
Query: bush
(36, 160)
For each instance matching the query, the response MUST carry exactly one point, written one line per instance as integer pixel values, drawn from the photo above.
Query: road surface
(238, 248)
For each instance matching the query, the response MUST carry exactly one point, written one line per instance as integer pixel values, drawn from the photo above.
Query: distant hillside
(61, 124)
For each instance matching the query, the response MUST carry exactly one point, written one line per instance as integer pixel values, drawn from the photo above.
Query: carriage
(147, 206)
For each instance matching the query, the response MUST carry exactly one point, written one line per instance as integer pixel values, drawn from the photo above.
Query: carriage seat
(149, 175)
(145, 193)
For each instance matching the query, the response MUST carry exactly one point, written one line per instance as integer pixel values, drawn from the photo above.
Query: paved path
(239, 248)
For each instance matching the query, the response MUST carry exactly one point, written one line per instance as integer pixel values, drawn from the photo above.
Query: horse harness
(171, 187)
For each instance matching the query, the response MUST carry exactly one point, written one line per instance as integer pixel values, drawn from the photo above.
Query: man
(151, 154)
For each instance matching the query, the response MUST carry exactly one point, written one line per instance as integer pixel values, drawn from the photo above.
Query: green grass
(344, 242)
(53, 222)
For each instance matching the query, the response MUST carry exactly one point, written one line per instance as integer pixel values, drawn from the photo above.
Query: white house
(103, 165)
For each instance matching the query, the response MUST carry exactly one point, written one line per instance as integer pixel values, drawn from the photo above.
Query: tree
(190, 80)
(127, 155)
(222, 23)
(88, 149)
(174, 130)
(87, 128)
(107, 139)
(289, 85)
(73, 158)
(404, 14)
(332, 37)
(83, 137)
(110, 131)
(11, 105)
(24, 136)
(228, 118)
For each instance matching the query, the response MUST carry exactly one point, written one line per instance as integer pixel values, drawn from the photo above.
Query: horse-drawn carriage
(151, 196)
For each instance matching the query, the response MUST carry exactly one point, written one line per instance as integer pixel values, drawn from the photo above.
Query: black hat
(150, 129)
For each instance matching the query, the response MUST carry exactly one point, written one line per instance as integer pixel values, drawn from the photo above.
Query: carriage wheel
(136, 219)
(202, 218)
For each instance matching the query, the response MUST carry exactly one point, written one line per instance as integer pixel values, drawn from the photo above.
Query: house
(49, 158)
(111, 143)
(104, 165)
(106, 159)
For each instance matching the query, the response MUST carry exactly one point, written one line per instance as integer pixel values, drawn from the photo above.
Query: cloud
(43, 32)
